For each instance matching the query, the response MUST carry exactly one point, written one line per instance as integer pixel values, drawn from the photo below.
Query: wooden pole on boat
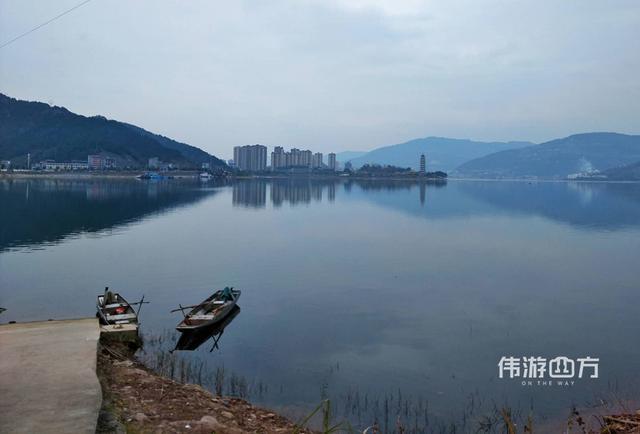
(181, 308)
(140, 303)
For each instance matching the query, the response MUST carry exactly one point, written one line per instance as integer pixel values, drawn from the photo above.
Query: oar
(187, 307)
(184, 307)
(191, 307)
(140, 303)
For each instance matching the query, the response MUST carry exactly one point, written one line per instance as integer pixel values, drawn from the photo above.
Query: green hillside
(50, 132)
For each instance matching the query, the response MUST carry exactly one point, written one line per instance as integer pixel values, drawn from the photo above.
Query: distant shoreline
(133, 174)
(344, 178)
(194, 174)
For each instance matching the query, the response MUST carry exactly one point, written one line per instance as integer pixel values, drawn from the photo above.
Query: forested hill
(579, 153)
(51, 132)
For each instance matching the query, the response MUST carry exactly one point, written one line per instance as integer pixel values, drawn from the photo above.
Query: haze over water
(368, 288)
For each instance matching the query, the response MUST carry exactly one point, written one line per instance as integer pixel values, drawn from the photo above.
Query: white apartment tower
(331, 161)
(250, 157)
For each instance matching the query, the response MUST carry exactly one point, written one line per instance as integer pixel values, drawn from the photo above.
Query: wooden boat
(191, 340)
(114, 309)
(210, 311)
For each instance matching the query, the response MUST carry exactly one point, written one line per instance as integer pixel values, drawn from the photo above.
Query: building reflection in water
(297, 191)
(601, 205)
(332, 192)
(252, 193)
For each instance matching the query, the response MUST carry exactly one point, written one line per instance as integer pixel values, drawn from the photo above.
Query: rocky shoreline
(137, 400)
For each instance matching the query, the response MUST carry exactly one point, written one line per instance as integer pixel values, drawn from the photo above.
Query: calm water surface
(370, 293)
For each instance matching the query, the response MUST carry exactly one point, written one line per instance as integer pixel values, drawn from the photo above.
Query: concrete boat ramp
(48, 381)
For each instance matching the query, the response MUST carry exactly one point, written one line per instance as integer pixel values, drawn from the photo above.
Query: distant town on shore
(252, 159)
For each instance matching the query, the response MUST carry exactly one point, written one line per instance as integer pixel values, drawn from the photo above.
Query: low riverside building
(100, 162)
(93, 162)
(52, 165)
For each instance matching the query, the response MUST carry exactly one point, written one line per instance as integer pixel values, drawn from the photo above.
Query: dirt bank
(136, 400)
(139, 401)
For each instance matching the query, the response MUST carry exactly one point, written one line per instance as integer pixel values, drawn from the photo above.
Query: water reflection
(598, 206)
(294, 191)
(192, 340)
(250, 193)
(44, 211)
(353, 300)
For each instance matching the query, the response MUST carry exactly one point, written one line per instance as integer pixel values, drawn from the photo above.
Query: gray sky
(332, 75)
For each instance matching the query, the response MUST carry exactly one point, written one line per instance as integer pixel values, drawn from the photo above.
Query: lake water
(386, 297)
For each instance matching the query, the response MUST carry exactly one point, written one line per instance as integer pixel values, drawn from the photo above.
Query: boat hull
(192, 323)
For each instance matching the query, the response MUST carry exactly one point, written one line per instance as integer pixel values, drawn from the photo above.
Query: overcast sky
(332, 75)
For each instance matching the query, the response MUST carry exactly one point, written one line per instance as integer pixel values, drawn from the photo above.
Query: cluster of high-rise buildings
(253, 158)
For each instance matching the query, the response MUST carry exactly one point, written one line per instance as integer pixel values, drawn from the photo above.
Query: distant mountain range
(51, 132)
(580, 154)
(345, 156)
(441, 153)
(609, 156)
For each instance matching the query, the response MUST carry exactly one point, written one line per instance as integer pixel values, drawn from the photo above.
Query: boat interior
(116, 310)
(210, 308)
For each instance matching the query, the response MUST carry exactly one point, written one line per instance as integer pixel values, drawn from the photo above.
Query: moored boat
(154, 176)
(212, 310)
(114, 309)
(191, 340)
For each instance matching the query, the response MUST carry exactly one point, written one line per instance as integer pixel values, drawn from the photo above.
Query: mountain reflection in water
(45, 211)
(598, 206)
